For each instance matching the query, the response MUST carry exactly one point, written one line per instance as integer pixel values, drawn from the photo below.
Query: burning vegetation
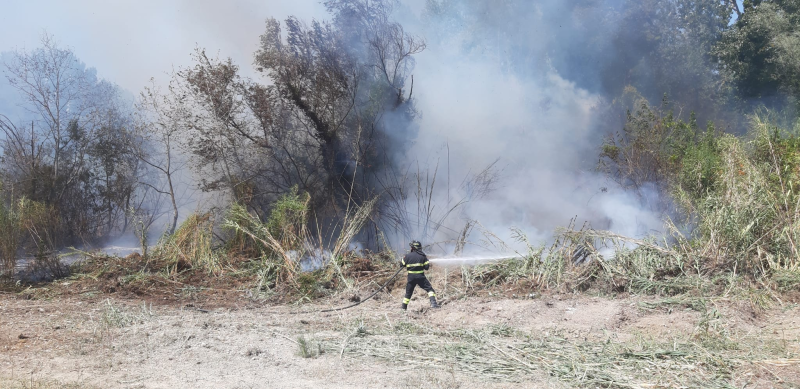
(312, 191)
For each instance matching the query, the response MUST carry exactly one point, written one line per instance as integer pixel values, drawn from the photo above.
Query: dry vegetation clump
(190, 246)
(571, 263)
(283, 242)
(118, 316)
(260, 260)
(278, 243)
(308, 348)
(575, 262)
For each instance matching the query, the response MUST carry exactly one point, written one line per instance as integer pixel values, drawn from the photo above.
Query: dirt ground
(97, 341)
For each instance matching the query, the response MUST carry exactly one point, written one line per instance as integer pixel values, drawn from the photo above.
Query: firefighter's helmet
(415, 245)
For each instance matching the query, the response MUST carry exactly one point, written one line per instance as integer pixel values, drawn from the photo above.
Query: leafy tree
(760, 53)
(342, 78)
(337, 100)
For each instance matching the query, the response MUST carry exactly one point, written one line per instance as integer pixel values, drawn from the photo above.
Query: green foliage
(750, 218)
(698, 160)
(26, 221)
(288, 218)
(760, 52)
(656, 148)
(191, 246)
(10, 231)
(741, 196)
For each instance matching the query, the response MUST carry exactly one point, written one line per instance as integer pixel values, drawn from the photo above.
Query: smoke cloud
(490, 95)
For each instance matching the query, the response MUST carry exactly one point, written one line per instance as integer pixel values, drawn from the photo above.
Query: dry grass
(528, 343)
(308, 348)
(119, 316)
(578, 260)
(710, 358)
(32, 383)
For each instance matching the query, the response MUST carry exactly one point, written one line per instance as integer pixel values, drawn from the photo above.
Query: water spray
(471, 260)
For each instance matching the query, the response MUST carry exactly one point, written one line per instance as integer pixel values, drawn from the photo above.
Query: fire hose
(369, 297)
(332, 309)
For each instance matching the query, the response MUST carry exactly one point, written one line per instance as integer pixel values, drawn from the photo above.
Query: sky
(128, 42)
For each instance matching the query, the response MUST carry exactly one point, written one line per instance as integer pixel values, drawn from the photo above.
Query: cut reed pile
(284, 240)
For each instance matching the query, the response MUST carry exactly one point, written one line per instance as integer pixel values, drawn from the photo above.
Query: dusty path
(473, 343)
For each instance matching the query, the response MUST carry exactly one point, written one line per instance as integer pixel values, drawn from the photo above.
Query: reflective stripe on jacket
(416, 262)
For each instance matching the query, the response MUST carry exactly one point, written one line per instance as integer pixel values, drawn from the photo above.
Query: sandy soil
(106, 343)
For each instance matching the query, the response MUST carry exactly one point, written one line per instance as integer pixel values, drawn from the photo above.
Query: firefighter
(416, 262)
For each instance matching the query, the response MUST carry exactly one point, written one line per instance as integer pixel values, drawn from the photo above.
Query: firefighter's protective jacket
(416, 262)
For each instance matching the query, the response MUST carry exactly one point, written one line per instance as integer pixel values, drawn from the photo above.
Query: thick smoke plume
(511, 139)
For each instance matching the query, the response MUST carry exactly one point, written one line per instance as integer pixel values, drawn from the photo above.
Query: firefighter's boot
(434, 304)
(404, 306)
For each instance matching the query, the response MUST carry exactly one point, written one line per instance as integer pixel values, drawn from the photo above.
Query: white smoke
(539, 127)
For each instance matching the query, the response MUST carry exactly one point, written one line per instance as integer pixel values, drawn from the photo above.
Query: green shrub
(287, 219)
(749, 219)
(739, 196)
(191, 245)
(657, 149)
(698, 163)
(10, 229)
(25, 220)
